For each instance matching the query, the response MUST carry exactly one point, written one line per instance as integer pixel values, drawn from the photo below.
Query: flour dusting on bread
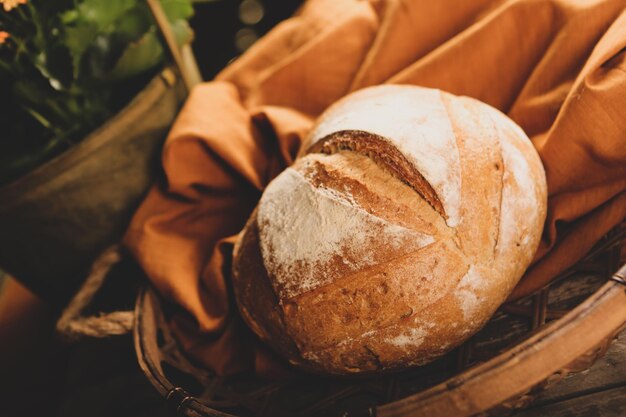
(469, 291)
(405, 222)
(311, 236)
(415, 121)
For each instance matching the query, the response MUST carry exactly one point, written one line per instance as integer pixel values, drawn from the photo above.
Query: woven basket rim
(467, 393)
(601, 316)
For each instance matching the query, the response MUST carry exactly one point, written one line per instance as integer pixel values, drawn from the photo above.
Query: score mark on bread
(409, 131)
(385, 154)
(406, 220)
(303, 246)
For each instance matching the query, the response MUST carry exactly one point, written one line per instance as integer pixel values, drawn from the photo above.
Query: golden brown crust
(257, 302)
(379, 150)
(389, 294)
(371, 187)
(407, 302)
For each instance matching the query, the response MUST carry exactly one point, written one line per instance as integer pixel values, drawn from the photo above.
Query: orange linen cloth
(556, 67)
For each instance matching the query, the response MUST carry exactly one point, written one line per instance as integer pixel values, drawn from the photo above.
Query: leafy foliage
(68, 65)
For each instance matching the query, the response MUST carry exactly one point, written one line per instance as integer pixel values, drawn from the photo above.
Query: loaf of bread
(406, 220)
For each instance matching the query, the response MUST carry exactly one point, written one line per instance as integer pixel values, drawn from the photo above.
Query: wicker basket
(527, 347)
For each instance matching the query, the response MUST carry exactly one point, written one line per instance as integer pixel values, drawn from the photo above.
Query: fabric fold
(556, 67)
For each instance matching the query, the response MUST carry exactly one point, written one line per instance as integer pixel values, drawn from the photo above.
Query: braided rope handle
(73, 325)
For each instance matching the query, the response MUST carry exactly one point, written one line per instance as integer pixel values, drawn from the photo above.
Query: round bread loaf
(408, 217)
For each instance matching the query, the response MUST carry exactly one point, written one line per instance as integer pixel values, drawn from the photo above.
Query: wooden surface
(597, 392)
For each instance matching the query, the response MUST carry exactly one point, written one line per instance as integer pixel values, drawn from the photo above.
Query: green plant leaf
(87, 21)
(71, 65)
(103, 13)
(78, 39)
(147, 52)
(177, 9)
(134, 23)
(137, 57)
(102, 35)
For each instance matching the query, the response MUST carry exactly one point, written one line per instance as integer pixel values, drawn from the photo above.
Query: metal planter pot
(56, 219)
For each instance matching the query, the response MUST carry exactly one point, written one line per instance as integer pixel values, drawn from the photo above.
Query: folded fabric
(556, 67)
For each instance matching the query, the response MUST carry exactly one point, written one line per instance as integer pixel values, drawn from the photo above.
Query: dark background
(216, 24)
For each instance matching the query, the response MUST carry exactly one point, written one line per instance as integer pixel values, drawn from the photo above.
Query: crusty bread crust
(360, 258)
